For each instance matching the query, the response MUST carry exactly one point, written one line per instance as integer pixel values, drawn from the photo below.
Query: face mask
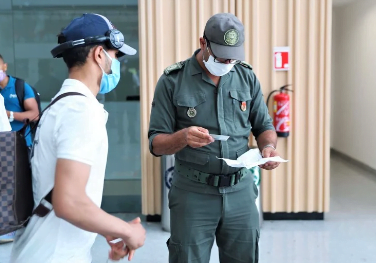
(217, 69)
(2, 75)
(109, 81)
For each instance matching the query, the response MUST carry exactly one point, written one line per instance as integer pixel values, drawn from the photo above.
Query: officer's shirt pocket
(191, 108)
(241, 103)
(194, 157)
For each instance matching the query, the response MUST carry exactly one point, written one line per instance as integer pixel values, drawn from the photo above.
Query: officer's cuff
(258, 132)
(151, 138)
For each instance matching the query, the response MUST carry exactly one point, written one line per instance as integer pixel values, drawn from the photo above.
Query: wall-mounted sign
(281, 57)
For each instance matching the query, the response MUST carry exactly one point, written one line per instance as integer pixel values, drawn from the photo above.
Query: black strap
(41, 210)
(36, 122)
(20, 92)
(59, 98)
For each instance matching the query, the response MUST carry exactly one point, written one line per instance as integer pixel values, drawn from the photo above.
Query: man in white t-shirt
(4, 121)
(70, 154)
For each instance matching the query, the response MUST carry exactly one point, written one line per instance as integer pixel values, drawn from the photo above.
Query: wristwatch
(11, 117)
(269, 145)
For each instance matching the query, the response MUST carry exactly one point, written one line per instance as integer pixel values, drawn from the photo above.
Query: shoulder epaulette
(245, 64)
(174, 67)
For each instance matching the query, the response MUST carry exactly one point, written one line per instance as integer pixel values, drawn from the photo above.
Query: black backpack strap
(59, 98)
(20, 92)
(36, 122)
(41, 210)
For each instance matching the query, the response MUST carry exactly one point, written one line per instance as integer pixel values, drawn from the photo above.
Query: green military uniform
(198, 211)
(209, 199)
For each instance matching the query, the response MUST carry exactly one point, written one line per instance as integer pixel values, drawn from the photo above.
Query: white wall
(354, 81)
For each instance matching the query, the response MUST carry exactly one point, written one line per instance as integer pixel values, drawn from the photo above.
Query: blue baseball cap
(92, 28)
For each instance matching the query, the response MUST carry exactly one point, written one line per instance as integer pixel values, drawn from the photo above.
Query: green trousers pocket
(257, 247)
(174, 250)
(190, 253)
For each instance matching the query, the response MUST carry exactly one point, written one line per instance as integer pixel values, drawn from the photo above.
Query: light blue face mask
(109, 81)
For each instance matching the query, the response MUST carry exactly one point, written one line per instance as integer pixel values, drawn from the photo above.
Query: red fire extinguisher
(281, 108)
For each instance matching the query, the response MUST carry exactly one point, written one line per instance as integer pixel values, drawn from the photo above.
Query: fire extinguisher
(281, 108)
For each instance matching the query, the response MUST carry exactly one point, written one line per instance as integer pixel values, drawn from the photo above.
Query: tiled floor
(347, 235)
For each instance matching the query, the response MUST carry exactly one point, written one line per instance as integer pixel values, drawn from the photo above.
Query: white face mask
(2, 75)
(217, 69)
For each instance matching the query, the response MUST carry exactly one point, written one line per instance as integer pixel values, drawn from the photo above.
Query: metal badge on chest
(191, 112)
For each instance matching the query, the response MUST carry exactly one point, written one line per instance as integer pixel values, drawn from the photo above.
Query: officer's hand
(269, 152)
(197, 137)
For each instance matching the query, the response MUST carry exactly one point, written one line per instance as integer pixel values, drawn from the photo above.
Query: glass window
(32, 35)
(6, 39)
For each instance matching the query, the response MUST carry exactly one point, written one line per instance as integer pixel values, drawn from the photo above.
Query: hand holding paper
(251, 159)
(269, 151)
(197, 137)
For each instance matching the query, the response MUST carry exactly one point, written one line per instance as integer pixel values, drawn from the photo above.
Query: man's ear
(98, 54)
(202, 43)
(5, 67)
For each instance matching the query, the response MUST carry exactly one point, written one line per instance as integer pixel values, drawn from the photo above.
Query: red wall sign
(281, 56)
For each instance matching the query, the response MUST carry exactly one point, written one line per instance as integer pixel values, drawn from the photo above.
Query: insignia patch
(174, 67)
(245, 64)
(231, 37)
(191, 112)
(243, 106)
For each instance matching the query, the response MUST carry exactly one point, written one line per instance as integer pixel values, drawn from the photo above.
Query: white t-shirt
(74, 128)
(4, 121)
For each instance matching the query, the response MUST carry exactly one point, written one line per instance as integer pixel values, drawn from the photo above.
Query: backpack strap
(61, 96)
(36, 122)
(41, 210)
(20, 92)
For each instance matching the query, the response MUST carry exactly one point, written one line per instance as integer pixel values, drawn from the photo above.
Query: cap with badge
(92, 29)
(225, 32)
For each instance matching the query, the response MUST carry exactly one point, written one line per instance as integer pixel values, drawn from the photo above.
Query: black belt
(217, 180)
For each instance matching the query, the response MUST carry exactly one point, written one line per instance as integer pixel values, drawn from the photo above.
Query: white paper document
(251, 159)
(219, 137)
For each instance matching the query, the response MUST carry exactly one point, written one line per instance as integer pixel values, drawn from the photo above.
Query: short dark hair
(1, 57)
(77, 56)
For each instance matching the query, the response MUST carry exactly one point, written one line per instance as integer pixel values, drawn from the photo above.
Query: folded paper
(251, 159)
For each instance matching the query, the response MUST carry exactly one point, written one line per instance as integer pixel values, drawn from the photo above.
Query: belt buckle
(223, 180)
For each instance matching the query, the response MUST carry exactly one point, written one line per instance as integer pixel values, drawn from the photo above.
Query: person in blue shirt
(15, 112)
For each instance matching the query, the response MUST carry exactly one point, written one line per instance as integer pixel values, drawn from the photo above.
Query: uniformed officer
(213, 92)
